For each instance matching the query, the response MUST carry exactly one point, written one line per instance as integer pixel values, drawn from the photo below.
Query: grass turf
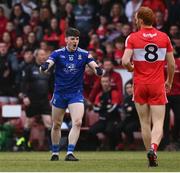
(89, 162)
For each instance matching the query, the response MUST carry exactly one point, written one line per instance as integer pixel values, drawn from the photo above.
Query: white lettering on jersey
(149, 35)
(71, 57)
(70, 68)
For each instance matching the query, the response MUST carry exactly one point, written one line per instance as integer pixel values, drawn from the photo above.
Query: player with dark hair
(149, 48)
(70, 63)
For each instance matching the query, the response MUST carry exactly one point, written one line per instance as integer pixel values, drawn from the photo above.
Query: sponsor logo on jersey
(79, 57)
(149, 35)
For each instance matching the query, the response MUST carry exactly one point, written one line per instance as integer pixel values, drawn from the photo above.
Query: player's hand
(131, 68)
(168, 86)
(100, 71)
(44, 67)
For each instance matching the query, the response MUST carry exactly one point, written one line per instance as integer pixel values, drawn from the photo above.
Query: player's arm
(93, 65)
(126, 60)
(46, 65)
(170, 70)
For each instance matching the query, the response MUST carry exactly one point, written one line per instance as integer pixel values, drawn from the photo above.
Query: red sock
(154, 147)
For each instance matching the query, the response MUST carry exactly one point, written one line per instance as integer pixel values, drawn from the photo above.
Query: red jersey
(149, 50)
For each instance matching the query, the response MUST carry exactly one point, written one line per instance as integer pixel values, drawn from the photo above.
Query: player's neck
(70, 50)
(146, 26)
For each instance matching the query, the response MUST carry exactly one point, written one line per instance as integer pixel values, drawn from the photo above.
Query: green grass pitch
(89, 162)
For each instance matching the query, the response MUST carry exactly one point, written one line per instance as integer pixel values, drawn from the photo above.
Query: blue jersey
(69, 69)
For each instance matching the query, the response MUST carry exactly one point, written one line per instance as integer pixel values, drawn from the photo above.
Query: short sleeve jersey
(149, 50)
(69, 69)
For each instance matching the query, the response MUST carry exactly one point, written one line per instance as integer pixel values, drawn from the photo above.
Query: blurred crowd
(31, 29)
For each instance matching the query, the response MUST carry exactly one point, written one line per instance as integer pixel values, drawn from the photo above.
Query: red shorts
(152, 94)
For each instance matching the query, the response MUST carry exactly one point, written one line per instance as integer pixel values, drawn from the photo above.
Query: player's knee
(77, 123)
(56, 126)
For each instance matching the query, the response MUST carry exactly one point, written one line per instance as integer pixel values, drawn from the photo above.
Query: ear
(141, 21)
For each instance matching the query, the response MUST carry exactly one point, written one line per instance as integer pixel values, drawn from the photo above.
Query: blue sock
(70, 149)
(55, 149)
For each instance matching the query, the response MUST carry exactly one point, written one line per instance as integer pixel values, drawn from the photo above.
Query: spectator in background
(8, 72)
(32, 42)
(19, 48)
(174, 95)
(52, 34)
(101, 31)
(45, 17)
(34, 20)
(94, 45)
(34, 92)
(60, 9)
(26, 30)
(115, 80)
(6, 38)
(105, 7)
(3, 22)
(130, 123)
(173, 30)
(67, 20)
(69, 14)
(160, 22)
(10, 28)
(117, 15)
(114, 31)
(45, 46)
(27, 6)
(126, 30)
(84, 18)
(19, 18)
(156, 5)
(89, 79)
(173, 7)
(28, 58)
(35, 24)
(97, 54)
(106, 104)
(131, 8)
(119, 50)
(174, 105)
(109, 49)
(176, 40)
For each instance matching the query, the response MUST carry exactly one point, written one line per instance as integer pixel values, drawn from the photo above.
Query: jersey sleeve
(129, 42)
(53, 56)
(89, 58)
(169, 45)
